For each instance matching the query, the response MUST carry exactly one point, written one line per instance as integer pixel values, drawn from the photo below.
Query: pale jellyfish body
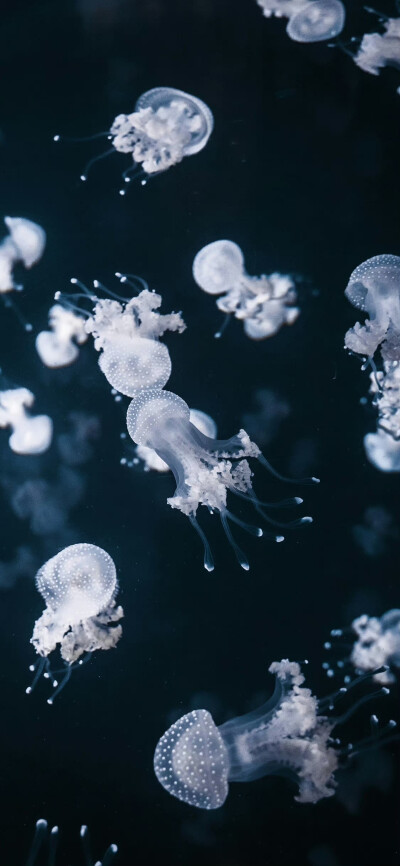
(199, 419)
(24, 244)
(263, 303)
(378, 643)
(79, 586)
(382, 450)
(289, 735)
(166, 126)
(378, 50)
(309, 20)
(59, 347)
(205, 469)
(30, 435)
(132, 358)
(374, 287)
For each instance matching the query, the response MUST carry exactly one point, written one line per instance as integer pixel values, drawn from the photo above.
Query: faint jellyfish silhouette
(46, 504)
(374, 641)
(150, 458)
(24, 244)
(205, 469)
(30, 435)
(309, 20)
(263, 303)
(291, 734)
(270, 411)
(378, 50)
(59, 347)
(166, 125)
(22, 565)
(43, 835)
(377, 528)
(75, 446)
(79, 586)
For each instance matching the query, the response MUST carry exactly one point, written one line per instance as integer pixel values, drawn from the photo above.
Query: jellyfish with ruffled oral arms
(127, 334)
(375, 643)
(79, 586)
(166, 126)
(290, 735)
(374, 288)
(309, 20)
(48, 838)
(264, 303)
(205, 469)
(31, 435)
(59, 346)
(378, 50)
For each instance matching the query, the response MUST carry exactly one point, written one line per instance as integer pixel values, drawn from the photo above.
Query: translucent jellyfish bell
(289, 735)
(317, 21)
(199, 419)
(218, 266)
(199, 121)
(30, 435)
(374, 287)
(382, 450)
(59, 347)
(79, 586)
(28, 238)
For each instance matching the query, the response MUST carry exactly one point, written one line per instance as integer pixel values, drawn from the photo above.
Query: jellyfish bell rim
(149, 100)
(141, 401)
(45, 574)
(356, 290)
(29, 253)
(335, 29)
(155, 347)
(213, 248)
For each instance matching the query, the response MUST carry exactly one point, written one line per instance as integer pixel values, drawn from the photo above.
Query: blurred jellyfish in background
(24, 245)
(75, 446)
(378, 50)
(374, 288)
(150, 458)
(79, 586)
(263, 303)
(270, 410)
(49, 838)
(204, 468)
(46, 504)
(30, 435)
(166, 126)
(376, 642)
(23, 565)
(309, 20)
(59, 347)
(289, 735)
(127, 333)
(378, 528)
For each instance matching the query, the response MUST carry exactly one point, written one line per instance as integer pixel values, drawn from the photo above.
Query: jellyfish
(46, 504)
(79, 586)
(24, 244)
(377, 529)
(376, 643)
(289, 735)
(59, 347)
(166, 125)
(377, 50)
(30, 435)
(309, 20)
(43, 835)
(382, 450)
(75, 446)
(204, 468)
(263, 303)
(383, 447)
(127, 332)
(374, 288)
(200, 420)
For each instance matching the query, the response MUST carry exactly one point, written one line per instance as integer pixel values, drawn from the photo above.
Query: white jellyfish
(309, 20)
(382, 450)
(289, 735)
(166, 125)
(204, 468)
(127, 332)
(380, 49)
(24, 244)
(383, 447)
(79, 586)
(45, 835)
(263, 303)
(59, 347)
(376, 644)
(374, 288)
(199, 419)
(30, 435)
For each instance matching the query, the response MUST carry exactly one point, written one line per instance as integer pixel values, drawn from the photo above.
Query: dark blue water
(302, 171)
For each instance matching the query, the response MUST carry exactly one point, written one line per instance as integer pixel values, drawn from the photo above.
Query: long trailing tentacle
(38, 839)
(240, 556)
(208, 557)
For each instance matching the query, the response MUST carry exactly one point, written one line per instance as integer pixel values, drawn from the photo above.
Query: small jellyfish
(30, 435)
(59, 347)
(166, 126)
(377, 529)
(374, 288)
(382, 450)
(376, 643)
(127, 332)
(380, 49)
(263, 303)
(309, 20)
(289, 735)
(43, 835)
(200, 420)
(204, 468)
(75, 446)
(24, 244)
(79, 586)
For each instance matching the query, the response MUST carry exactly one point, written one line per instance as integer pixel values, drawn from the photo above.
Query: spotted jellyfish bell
(79, 586)
(59, 346)
(30, 435)
(374, 288)
(150, 458)
(317, 21)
